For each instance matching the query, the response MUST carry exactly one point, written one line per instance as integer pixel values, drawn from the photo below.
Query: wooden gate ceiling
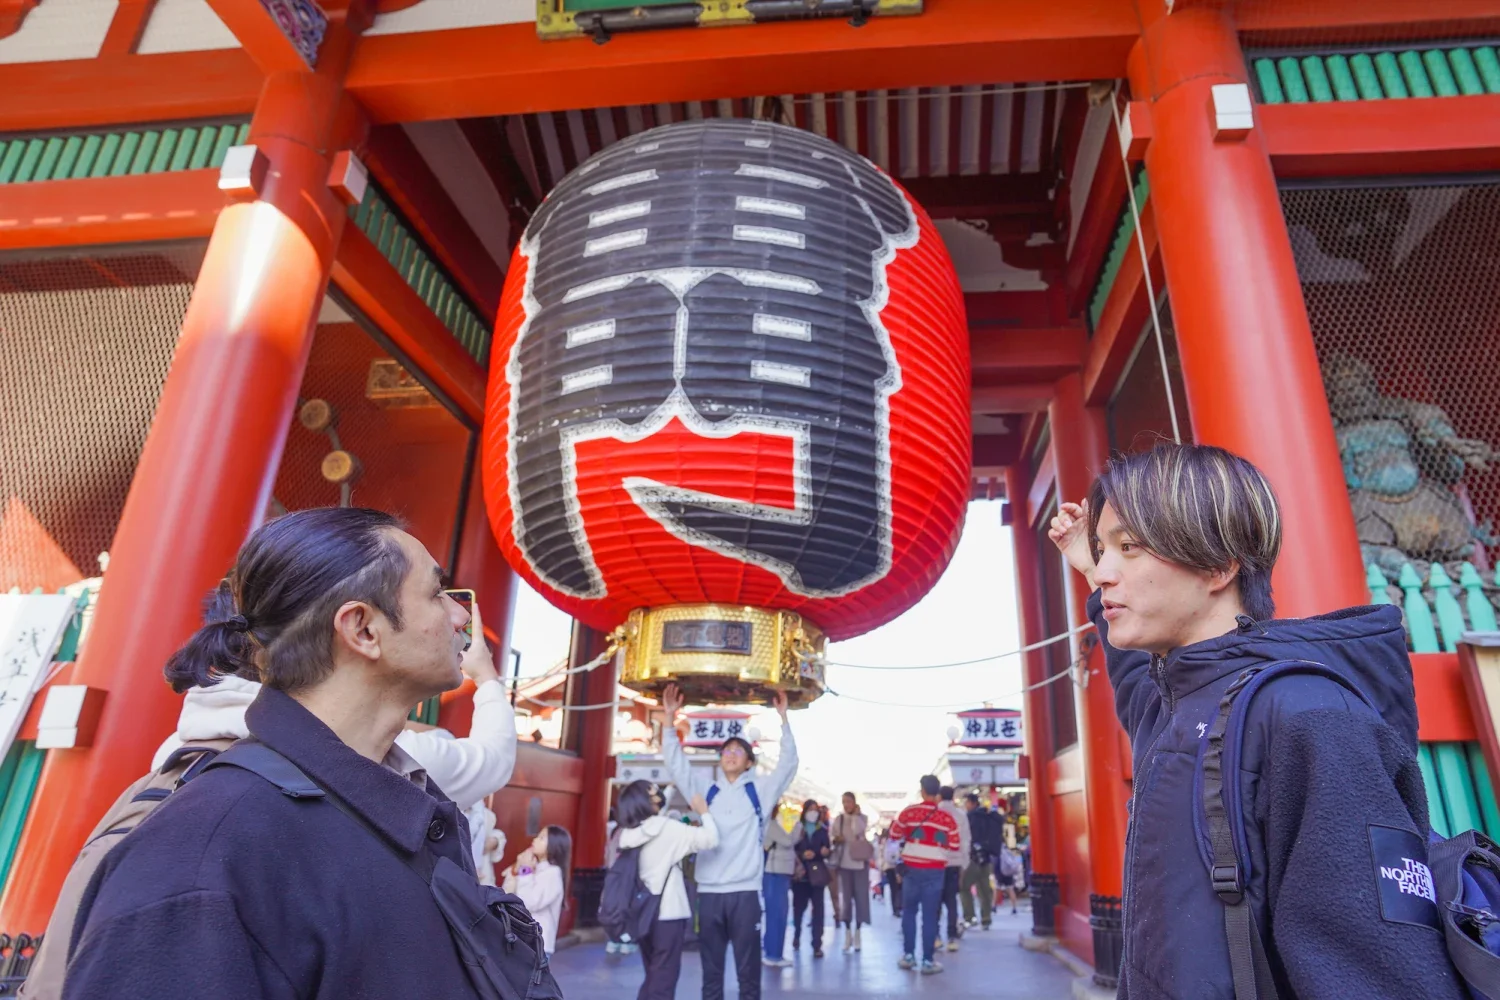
(926, 132)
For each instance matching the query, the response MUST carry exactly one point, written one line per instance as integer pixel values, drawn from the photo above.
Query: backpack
(44, 979)
(627, 909)
(1010, 863)
(498, 942)
(1465, 870)
(713, 793)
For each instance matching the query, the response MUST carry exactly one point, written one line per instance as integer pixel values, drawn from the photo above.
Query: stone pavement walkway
(989, 965)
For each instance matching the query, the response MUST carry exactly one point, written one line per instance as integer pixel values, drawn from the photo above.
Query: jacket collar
(392, 804)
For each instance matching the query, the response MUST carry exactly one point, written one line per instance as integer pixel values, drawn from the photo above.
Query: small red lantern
(729, 401)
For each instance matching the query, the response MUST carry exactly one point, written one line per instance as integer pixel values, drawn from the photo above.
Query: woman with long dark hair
(811, 878)
(663, 844)
(542, 876)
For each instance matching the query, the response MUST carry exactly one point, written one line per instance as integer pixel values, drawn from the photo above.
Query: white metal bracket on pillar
(1234, 112)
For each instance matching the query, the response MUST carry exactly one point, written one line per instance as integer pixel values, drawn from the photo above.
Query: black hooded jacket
(1327, 783)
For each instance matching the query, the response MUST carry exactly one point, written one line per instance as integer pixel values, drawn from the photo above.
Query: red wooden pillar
(482, 569)
(1080, 445)
(1039, 749)
(1247, 351)
(590, 734)
(208, 465)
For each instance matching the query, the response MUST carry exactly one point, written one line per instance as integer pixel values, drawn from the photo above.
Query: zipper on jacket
(1159, 675)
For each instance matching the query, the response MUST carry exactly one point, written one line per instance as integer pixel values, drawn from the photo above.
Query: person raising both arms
(729, 876)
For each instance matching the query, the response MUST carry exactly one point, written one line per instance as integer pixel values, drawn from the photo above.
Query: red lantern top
(731, 365)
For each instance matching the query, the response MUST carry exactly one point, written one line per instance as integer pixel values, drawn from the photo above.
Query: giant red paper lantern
(730, 366)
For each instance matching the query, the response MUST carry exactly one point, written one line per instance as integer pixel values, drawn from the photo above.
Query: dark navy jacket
(234, 891)
(1320, 769)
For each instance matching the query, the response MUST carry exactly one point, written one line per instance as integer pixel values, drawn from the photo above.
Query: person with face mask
(729, 876)
(811, 877)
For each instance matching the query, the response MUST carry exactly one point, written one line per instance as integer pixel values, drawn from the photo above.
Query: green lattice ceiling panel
(116, 153)
(1123, 243)
(1444, 71)
(400, 245)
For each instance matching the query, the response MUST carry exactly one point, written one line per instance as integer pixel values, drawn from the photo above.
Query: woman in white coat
(663, 844)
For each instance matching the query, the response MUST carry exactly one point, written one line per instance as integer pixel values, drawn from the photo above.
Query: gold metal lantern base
(721, 653)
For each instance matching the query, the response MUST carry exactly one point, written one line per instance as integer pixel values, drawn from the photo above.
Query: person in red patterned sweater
(927, 835)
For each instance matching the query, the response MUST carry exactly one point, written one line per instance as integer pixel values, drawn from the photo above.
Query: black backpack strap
(1221, 810)
(1247, 952)
(257, 758)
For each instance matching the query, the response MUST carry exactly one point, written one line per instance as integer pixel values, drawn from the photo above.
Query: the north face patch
(1407, 893)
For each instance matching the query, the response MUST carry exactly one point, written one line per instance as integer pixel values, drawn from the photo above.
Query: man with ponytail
(304, 879)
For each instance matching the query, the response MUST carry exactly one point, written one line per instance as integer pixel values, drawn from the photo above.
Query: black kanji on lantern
(729, 274)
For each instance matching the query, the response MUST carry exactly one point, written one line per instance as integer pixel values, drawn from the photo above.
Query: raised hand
(699, 805)
(478, 663)
(1069, 531)
(780, 702)
(672, 702)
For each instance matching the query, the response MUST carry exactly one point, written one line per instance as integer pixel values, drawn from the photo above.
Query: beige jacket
(850, 834)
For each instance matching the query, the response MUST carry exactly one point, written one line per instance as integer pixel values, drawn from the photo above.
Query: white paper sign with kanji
(31, 628)
(711, 728)
(991, 727)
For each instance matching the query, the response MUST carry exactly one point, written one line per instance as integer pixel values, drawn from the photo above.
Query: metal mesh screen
(1402, 283)
(86, 338)
(1138, 413)
(410, 451)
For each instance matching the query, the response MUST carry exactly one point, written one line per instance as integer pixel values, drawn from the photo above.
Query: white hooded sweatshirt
(467, 770)
(663, 843)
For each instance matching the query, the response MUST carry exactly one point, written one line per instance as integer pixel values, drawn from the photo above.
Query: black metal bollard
(1108, 924)
(1044, 892)
(15, 961)
(588, 886)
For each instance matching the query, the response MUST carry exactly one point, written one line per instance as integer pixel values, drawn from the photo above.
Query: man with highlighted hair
(1276, 774)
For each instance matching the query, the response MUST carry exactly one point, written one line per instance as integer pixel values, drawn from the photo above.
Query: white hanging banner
(991, 728)
(31, 629)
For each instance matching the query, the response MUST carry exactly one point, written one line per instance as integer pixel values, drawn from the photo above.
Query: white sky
(853, 745)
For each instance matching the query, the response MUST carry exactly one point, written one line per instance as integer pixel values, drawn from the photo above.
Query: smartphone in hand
(466, 598)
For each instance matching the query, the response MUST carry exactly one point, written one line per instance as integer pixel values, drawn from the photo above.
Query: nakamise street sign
(990, 728)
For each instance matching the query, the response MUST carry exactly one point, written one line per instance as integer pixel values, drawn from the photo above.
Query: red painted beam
(127, 88)
(506, 69)
(994, 451)
(1442, 700)
(1007, 399)
(982, 197)
(1011, 309)
(1356, 138)
(407, 180)
(168, 206)
(1026, 355)
(375, 287)
(262, 38)
(1350, 21)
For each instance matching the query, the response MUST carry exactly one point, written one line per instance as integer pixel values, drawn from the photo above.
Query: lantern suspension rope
(969, 663)
(1070, 673)
(1140, 243)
